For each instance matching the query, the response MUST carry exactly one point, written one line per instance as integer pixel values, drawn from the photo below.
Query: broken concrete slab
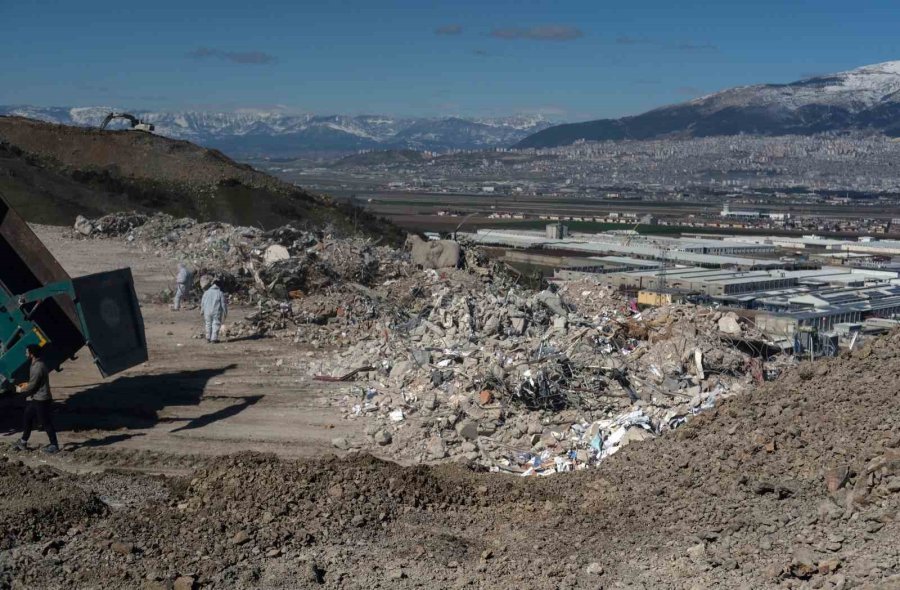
(729, 324)
(275, 253)
(434, 254)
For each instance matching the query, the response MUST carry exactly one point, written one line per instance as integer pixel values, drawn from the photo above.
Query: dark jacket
(38, 387)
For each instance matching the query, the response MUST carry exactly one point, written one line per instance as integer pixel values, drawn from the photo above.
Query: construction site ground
(793, 484)
(191, 398)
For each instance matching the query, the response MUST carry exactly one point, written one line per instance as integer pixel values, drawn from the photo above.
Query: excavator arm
(134, 121)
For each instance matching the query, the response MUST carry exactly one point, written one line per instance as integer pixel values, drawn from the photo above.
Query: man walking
(39, 404)
(214, 309)
(182, 284)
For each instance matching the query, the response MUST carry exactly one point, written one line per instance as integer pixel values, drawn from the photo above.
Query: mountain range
(865, 99)
(278, 134)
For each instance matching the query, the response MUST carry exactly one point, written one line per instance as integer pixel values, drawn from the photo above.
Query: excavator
(136, 124)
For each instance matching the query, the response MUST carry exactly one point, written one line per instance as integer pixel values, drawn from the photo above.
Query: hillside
(381, 158)
(51, 173)
(866, 99)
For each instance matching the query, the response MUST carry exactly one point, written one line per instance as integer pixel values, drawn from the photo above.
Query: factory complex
(789, 286)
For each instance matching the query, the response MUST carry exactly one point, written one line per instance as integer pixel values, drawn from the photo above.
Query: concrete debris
(464, 363)
(275, 253)
(240, 537)
(594, 569)
(433, 254)
(83, 226)
(531, 383)
(729, 324)
(257, 267)
(382, 437)
(552, 302)
(467, 430)
(112, 225)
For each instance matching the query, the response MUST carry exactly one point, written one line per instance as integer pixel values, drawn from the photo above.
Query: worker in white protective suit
(214, 309)
(182, 285)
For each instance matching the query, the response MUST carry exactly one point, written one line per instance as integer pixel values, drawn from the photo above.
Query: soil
(795, 485)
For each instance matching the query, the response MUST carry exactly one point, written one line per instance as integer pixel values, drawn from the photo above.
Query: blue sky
(575, 59)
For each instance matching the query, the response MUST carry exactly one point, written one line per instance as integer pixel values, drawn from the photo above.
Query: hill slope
(50, 173)
(865, 99)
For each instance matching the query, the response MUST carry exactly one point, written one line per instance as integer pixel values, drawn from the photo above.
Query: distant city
(831, 184)
(829, 163)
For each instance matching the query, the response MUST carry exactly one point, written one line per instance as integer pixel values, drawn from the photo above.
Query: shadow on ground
(100, 442)
(131, 403)
(242, 404)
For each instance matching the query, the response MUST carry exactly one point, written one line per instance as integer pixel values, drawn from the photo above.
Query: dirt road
(191, 398)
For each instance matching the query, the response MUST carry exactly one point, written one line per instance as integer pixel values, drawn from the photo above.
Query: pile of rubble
(528, 382)
(109, 226)
(254, 266)
(446, 356)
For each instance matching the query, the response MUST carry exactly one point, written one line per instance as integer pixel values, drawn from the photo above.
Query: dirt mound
(794, 483)
(51, 173)
(241, 510)
(39, 505)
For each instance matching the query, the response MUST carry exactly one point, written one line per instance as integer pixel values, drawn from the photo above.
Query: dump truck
(41, 304)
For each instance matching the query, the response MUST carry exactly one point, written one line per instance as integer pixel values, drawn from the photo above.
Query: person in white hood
(214, 309)
(182, 285)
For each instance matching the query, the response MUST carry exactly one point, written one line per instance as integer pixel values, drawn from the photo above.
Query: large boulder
(84, 226)
(729, 324)
(275, 253)
(434, 253)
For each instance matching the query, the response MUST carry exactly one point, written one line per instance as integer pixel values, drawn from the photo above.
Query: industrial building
(788, 324)
(787, 302)
(815, 243)
(556, 232)
(811, 299)
(710, 282)
(739, 288)
(702, 253)
(865, 245)
(728, 212)
(667, 255)
(886, 248)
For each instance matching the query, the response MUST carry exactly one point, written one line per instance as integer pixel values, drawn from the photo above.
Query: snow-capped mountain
(276, 133)
(866, 99)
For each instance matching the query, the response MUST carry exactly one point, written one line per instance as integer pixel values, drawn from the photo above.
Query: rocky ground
(794, 485)
(668, 468)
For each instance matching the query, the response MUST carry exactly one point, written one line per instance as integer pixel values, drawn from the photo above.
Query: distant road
(384, 200)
